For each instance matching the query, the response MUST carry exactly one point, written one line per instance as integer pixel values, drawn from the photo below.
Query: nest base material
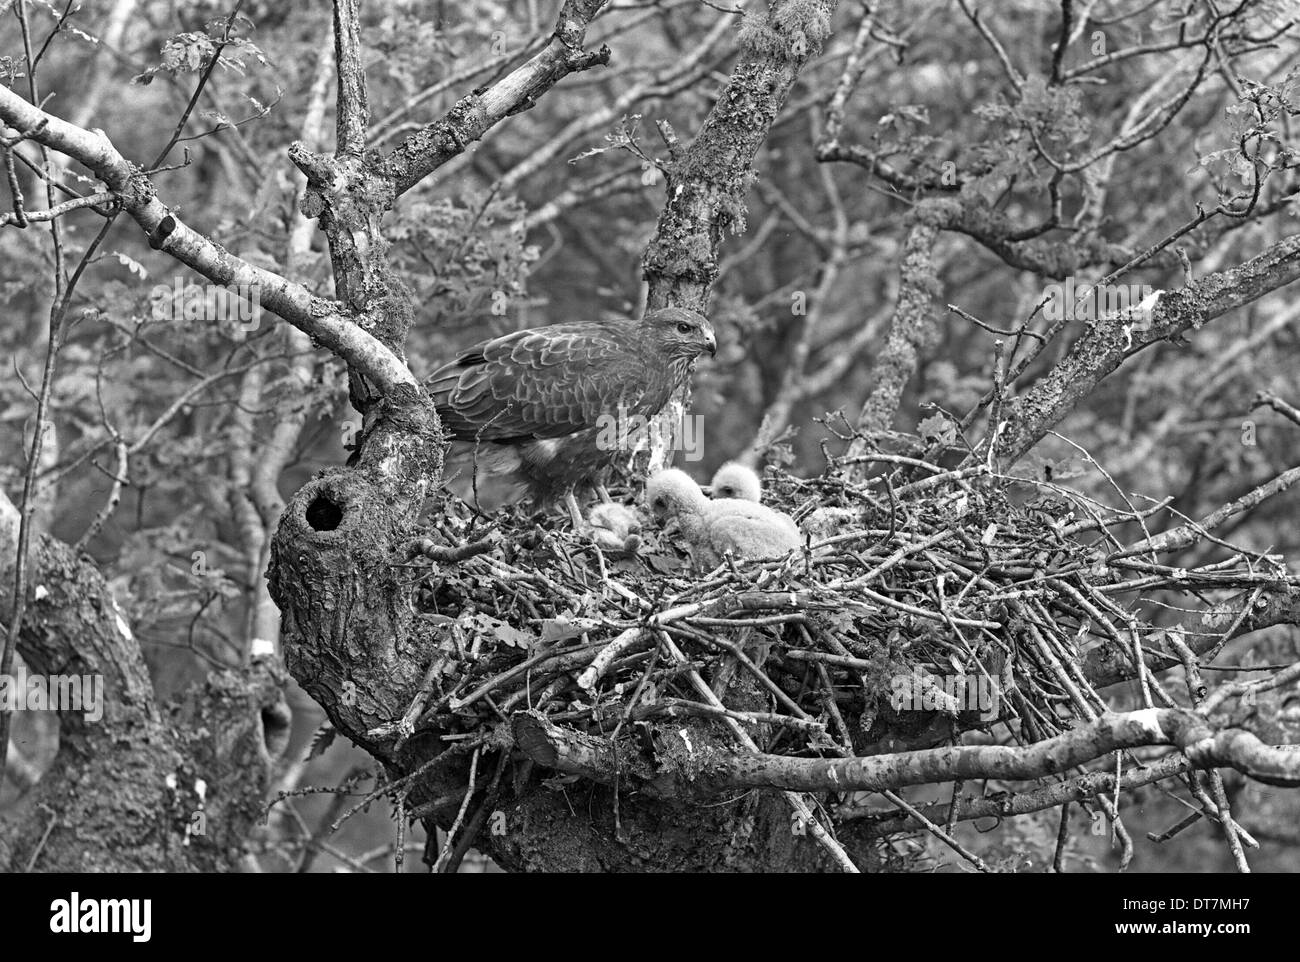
(928, 611)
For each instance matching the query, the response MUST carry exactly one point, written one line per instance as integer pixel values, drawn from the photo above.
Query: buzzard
(527, 411)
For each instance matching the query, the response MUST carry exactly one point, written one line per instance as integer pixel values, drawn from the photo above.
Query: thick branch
(75, 627)
(428, 149)
(1188, 534)
(1039, 799)
(314, 316)
(706, 187)
(710, 771)
(1250, 611)
(353, 110)
(1109, 341)
(912, 328)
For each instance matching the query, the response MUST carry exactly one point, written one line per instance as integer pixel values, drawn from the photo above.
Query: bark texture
(147, 787)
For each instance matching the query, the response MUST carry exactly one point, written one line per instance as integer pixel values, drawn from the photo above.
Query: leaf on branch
(622, 138)
(321, 741)
(504, 632)
(937, 428)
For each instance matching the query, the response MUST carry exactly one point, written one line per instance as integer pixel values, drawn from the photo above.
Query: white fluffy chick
(614, 526)
(734, 480)
(714, 529)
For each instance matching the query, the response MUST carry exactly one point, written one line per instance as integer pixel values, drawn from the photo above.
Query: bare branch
(314, 316)
(428, 149)
(1204, 745)
(353, 112)
(1109, 341)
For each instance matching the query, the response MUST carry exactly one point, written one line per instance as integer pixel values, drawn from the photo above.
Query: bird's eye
(683, 328)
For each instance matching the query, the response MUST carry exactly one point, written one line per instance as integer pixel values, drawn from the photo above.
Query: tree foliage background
(548, 219)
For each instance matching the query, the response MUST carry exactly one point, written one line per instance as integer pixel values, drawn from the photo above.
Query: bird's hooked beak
(711, 343)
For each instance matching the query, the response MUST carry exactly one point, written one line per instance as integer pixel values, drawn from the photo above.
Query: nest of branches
(936, 625)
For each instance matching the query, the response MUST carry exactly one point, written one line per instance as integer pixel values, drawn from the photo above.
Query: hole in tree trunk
(323, 514)
(277, 724)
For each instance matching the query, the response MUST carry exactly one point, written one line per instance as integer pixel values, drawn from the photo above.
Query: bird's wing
(539, 383)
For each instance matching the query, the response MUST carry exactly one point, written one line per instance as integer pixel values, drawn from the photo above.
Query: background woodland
(932, 171)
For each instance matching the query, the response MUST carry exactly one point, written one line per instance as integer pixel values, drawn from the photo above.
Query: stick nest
(925, 603)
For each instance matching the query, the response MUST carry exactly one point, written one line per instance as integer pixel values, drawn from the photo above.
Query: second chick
(734, 480)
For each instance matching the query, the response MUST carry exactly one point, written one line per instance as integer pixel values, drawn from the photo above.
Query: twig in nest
(939, 833)
(460, 815)
(448, 554)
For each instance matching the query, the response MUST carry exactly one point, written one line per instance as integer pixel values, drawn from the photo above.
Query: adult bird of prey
(528, 411)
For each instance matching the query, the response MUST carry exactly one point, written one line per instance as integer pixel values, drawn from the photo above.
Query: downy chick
(734, 480)
(714, 529)
(614, 527)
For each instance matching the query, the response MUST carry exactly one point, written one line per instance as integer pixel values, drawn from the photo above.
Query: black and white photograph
(649, 437)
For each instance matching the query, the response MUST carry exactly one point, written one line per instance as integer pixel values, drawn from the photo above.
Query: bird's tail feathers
(483, 474)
